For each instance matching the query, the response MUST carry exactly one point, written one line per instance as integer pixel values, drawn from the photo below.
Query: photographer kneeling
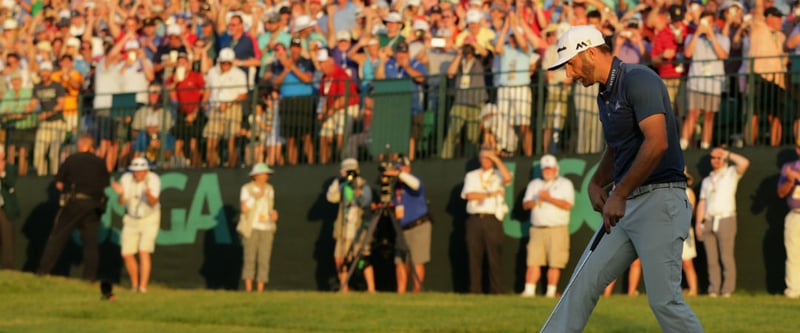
(411, 211)
(354, 196)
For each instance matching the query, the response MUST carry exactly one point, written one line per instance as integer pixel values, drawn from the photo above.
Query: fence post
(541, 93)
(253, 94)
(440, 112)
(750, 135)
(347, 120)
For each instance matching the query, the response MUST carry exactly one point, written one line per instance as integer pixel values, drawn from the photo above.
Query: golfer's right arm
(603, 176)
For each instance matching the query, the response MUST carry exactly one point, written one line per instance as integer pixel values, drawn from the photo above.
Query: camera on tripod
(387, 182)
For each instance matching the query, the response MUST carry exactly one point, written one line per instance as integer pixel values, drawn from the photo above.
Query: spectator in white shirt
(139, 192)
(716, 219)
(227, 87)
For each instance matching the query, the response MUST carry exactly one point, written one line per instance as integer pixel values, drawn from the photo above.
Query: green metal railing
(414, 119)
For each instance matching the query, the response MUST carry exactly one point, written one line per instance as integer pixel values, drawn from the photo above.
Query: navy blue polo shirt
(414, 203)
(631, 94)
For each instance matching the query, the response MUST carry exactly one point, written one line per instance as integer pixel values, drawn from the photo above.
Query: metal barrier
(433, 119)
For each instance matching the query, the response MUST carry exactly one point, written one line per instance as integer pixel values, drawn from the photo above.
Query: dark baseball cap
(436, 9)
(676, 12)
(401, 46)
(296, 42)
(284, 10)
(772, 11)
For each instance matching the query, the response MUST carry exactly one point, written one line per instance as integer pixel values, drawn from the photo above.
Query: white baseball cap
(350, 164)
(10, 24)
(73, 42)
(420, 25)
(548, 161)
(343, 35)
(303, 22)
(393, 17)
(574, 41)
(474, 16)
(322, 55)
(226, 54)
(173, 30)
(139, 164)
(414, 3)
(46, 66)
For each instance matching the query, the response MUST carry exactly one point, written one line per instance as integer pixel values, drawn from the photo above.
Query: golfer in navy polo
(646, 214)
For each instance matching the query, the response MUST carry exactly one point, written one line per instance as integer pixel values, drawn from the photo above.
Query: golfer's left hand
(613, 211)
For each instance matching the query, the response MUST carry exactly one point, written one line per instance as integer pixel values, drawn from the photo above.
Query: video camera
(388, 162)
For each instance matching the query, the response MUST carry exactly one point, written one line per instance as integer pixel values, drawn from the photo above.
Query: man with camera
(354, 196)
(484, 192)
(411, 211)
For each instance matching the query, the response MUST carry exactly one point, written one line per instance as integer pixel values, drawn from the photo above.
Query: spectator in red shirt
(186, 90)
(341, 104)
(667, 47)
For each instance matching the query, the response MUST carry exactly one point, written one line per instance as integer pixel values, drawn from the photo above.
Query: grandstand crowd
(229, 83)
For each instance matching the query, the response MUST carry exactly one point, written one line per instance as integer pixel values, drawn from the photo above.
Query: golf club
(596, 240)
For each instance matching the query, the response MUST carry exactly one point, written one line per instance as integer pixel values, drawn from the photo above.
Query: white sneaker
(550, 295)
(527, 294)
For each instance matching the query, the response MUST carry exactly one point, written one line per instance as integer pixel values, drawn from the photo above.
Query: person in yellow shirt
(72, 80)
(476, 34)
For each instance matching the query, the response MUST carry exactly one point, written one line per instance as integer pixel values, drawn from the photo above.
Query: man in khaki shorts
(139, 192)
(550, 200)
(227, 89)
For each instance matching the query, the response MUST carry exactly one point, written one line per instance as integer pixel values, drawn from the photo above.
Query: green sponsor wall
(198, 246)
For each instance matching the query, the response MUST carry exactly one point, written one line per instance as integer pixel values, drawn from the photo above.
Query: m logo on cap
(582, 45)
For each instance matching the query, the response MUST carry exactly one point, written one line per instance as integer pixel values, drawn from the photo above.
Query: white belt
(716, 218)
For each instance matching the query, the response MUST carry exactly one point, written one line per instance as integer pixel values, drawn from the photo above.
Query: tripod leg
(357, 248)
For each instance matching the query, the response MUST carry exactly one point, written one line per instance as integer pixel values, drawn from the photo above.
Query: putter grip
(597, 238)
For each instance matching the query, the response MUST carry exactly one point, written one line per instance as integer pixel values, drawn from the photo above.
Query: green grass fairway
(33, 304)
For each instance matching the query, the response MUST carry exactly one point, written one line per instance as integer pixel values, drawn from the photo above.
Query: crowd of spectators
(226, 82)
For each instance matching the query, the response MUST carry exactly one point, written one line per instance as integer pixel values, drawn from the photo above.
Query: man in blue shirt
(402, 66)
(647, 213)
(411, 211)
(242, 45)
(293, 73)
(344, 16)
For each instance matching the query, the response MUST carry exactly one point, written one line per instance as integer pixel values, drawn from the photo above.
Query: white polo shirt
(226, 87)
(136, 204)
(546, 214)
(134, 80)
(719, 192)
(483, 182)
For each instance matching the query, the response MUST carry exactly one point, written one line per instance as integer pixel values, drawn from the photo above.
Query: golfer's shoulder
(640, 74)
(641, 79)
